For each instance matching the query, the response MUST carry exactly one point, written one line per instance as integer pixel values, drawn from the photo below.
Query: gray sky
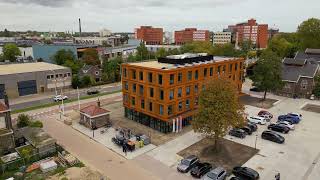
(125, 15)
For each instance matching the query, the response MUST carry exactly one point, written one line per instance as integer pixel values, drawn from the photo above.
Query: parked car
(245, 173)
(287, 124)
(237, 133)
(93, 91)
(236, 178)
(279, 128)
(267, 117)
(295, 115)
(253, 126)
(257, 120)
(187, 163)
(59, 98)
(255, 89)
(264, 112)
(200, 169)
(272, 136)
(247, 130)
(216, 174)
(291, 119)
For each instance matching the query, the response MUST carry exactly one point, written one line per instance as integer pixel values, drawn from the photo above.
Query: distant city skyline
(125, 15)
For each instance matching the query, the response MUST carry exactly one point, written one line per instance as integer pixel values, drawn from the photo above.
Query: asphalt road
(71, 95)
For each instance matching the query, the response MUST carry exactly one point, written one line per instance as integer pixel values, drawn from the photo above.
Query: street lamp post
(255, 143)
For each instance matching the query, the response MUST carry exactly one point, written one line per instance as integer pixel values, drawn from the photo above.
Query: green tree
(246, 46)
(280, 46)
(75, 66)
(267, 72)
(174, 51)
(219, 110)
(76, 82)
(10, 52)
(61, 56)
(36, 124)
(23, 120)
(1, 58)
(316, 90)
(142, 52)
(87, 81)
(309, 33)
(26, 153)
(225, 50)
(91, 57)
(197, 47)
(131, 58)
(111, 69)
(161, 52)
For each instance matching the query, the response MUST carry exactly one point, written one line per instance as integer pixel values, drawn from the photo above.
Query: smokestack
(79, 27)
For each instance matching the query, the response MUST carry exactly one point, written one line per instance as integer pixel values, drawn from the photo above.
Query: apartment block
(157, 93)
(150, 35)
(221, 38)
(191, 34)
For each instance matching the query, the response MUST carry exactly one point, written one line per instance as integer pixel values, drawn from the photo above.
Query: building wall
(303, 88)
(46, 52)
(98, 121)
(155, 48)
(221, 37)
(191, 34)
(133, 99)
(150, 35)
(43, 83)
(6, 142)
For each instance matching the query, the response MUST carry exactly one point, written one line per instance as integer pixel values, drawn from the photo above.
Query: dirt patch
(76, 173)
(228, 155)
(312, 108)
(118, 120)
(257, 102)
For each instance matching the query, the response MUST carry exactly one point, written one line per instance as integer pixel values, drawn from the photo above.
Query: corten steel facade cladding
(154, 96)
(189, 35)
(150, 35)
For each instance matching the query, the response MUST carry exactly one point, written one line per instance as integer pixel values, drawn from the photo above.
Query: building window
(134, 88)
(133, 101)
(141, 75)
(134, 76)
(171, 78)
(141, 89)
(236, 66)
(205, 72)
(230, 67)
(171, 94)
(196, 75)
(234, 77)
(150, 77)
(126, 86)
(160, 79)
(188, 90)
(69, 74)
(48, 76)
(219, 68)
(189, 75)
(179, 77)
(161, 109)
(125, 98)
(150, 106)
(196, 88)
(180, 106)
(151, 92)
(161, 95)
(57, 75)
(170, 109)
(179, 92)
(142, 103)
(124, 72)
(187, 104)
(304, 84)
(52, 76)
(211, 71)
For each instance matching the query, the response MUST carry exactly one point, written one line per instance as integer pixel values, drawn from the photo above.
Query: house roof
(291, 61)
(93, 111)
(3, 107)
(35, 136)
(309, 54)
(86, 67)
(312, 51)
(293, 73)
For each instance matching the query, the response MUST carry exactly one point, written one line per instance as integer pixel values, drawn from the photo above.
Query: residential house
(93, 71)
(94, 116)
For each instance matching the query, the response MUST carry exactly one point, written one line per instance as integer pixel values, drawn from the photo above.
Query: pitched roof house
(94, 116)
(93, 71)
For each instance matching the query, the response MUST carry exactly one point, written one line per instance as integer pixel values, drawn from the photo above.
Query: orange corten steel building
(251, 30)
(164, 94)
(189, 35)
(150, 35)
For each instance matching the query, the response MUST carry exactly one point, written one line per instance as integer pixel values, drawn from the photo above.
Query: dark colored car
(236, 178)
(264, 112)
(187, 163)
(237, 133)
(92, 91)
(272, 136)
(200, 169)
(255, 89)
(279, 128)
(252, 126)
(291, 119)
(247, 130)
(245, 173)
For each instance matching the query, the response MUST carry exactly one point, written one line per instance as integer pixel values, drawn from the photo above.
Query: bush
(23, 120)
(76, 82)
(86, 81)
(36, 124)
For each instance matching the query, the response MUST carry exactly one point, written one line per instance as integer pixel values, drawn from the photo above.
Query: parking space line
(310, 169)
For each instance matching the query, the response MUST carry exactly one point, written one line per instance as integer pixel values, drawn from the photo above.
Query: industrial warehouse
(32, 78)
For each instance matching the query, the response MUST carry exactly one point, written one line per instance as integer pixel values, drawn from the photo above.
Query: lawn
(228, 155)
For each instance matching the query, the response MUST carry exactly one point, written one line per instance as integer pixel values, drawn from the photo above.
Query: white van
(257, 120)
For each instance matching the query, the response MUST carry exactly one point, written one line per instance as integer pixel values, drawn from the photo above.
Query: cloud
(46, 3)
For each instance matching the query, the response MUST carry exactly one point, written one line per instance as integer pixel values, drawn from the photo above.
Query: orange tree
(219, 110)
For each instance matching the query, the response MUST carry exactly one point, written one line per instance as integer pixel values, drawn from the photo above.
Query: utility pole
(255, 143)
(62, 105)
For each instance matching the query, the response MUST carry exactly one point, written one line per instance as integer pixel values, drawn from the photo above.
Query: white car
(287, 124)
(60, 98)
(266, 116)
(257, 120)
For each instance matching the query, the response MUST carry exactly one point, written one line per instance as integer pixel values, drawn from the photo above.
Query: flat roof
(6, 69)
(166, 66)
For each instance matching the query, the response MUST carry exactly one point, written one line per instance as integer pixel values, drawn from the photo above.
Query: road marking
(310, 169)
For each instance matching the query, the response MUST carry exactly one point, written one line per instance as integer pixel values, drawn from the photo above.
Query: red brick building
(251, 30)
(150, 35)
(191, 34)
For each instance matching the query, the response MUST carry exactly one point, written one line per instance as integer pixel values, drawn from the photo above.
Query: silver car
(216, 174)
(187, 163)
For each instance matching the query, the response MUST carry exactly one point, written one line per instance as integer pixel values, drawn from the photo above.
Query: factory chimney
(79, 27)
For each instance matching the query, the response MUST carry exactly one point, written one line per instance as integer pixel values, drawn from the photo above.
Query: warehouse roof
(6, 69)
